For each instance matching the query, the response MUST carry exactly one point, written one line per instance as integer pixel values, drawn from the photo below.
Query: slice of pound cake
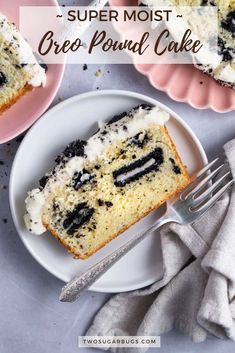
(222, 68)
(19, 69)
(102, 186)
(224, 71)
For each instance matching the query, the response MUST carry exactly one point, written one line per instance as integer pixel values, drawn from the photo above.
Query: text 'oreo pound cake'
(102, 186)
(19, 69)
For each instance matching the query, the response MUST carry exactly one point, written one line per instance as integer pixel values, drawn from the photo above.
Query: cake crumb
(98, 73)
(85, 67)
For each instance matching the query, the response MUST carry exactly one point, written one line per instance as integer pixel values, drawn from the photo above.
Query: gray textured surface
(31, 317)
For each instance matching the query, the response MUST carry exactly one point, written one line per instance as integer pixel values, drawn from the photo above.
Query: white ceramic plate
(77, 118)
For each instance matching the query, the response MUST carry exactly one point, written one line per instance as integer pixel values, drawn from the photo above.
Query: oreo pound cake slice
(102, 186)
(224, 71)
(222, 66)
(19, 68)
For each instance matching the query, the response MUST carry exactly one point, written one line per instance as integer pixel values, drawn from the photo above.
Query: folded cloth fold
(197, 292)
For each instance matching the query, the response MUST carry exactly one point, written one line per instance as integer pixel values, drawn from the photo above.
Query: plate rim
(186, 98)
(45, 116)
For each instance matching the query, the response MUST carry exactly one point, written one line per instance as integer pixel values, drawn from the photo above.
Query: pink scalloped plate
(30, 107)
(185, 83)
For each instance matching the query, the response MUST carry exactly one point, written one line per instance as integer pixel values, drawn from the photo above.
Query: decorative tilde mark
(81, 214)
(139, 168)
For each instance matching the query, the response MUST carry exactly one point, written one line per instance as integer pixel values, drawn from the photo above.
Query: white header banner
(121, 35)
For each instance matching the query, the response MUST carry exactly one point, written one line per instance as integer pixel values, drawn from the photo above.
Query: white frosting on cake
(113, 132)
(24, 54)
(226, 74)
(129, 126)
(75, 164)
(34, 205)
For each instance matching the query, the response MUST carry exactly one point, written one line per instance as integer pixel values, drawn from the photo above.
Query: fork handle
(72, 290)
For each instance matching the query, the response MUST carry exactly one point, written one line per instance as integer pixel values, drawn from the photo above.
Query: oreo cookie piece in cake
(19, 69)
(102, 186)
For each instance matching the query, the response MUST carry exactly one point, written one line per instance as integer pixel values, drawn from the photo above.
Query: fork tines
(207, 187)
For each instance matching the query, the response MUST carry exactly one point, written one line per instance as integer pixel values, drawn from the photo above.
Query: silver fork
(189, 206)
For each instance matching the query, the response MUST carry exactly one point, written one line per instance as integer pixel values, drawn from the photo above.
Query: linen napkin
(197, 292)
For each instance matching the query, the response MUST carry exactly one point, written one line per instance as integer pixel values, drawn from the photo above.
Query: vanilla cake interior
(102, 186)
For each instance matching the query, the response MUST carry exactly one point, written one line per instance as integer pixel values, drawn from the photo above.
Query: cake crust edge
(22, 92)
(86, 255)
